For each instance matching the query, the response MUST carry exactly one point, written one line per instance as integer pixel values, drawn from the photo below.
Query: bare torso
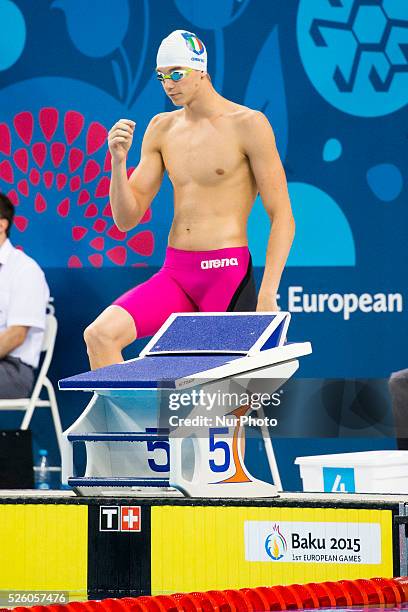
(214, 186)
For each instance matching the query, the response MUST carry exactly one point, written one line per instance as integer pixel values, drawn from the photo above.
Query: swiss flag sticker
(130, 518)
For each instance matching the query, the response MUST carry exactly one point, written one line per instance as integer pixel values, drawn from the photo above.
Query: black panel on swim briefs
(244, 298)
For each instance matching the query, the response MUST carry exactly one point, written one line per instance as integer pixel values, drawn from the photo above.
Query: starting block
(144, 430)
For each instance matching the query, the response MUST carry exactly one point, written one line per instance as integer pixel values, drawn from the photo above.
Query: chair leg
(55, 412)
(28, 414)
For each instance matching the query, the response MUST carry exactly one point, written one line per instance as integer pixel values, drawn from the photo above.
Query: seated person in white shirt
(24, 295)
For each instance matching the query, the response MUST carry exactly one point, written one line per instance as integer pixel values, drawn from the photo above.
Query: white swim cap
(181, 48)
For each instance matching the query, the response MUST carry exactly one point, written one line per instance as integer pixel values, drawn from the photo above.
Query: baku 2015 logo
(275, 544)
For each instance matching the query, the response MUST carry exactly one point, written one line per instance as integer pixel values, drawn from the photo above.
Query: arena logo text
(206, 264)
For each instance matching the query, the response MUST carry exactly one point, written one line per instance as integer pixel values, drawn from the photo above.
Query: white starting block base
(132, 449)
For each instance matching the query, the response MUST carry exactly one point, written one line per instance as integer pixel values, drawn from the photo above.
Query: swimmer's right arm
(130, 198)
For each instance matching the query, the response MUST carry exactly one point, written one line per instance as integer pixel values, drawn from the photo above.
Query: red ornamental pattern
(84, 183)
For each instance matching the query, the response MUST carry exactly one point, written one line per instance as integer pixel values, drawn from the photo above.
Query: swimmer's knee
(100, 335)
(88, 334)
(92, 335)
(97, 335)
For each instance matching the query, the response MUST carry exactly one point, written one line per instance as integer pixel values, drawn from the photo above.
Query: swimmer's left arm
(260, 148)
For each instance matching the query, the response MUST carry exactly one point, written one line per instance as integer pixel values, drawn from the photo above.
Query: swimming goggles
(174, 75)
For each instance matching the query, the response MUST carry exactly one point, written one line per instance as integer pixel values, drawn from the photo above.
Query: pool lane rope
(344, 593)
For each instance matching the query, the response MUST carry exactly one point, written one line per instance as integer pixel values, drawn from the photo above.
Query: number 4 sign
(338, 480)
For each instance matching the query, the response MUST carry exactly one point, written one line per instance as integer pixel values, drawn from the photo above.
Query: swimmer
(218, 155)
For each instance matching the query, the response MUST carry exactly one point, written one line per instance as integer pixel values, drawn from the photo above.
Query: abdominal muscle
(209, 218)
(205, 235)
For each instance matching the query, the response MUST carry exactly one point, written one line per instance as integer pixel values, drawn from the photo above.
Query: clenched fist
(120, 138)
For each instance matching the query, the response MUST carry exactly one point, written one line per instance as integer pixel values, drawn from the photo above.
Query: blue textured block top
(149, 372)
(228, 333)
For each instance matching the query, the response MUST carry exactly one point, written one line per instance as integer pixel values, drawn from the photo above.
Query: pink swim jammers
(192, 281)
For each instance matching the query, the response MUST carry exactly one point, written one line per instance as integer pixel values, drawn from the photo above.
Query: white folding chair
(28, 404)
